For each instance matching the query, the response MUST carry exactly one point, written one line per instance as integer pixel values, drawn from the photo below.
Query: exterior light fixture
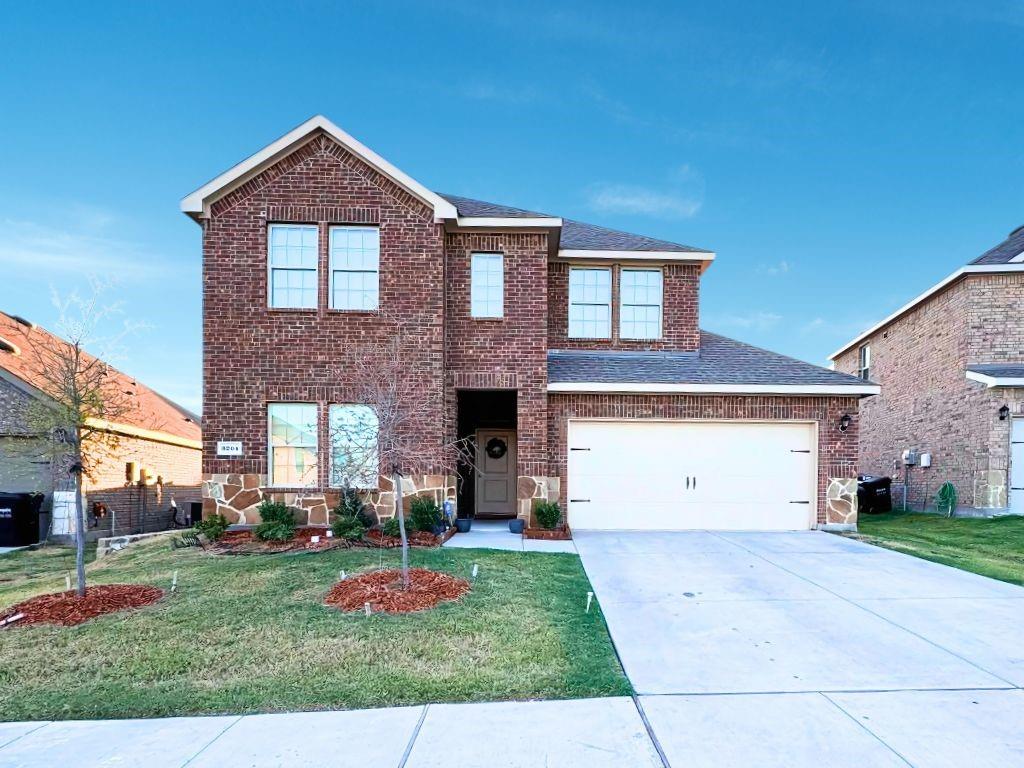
(1004, 413)
(844, 422)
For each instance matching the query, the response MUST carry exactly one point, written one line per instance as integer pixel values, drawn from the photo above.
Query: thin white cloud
(503, 93)
(778, 268)
(757, 321)
(682, 197)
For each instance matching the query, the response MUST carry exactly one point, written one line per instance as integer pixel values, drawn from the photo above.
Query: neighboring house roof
(576, 235)
(150, 414)
(722, 365)
(997, 374)
(1008, 256)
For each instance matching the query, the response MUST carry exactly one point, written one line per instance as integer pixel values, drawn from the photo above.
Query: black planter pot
(463, 524)
(517, 525)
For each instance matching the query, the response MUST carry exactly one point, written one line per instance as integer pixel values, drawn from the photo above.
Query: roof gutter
(852, 390)
(142, 433)
(970, 269)
(996, 381)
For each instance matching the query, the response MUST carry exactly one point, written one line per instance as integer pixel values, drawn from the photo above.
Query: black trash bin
(874, 494)
(19, 519)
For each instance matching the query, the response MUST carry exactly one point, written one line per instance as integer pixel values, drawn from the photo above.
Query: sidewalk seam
(412, 739)
(206, 746)
(867, 730)
(26, 733)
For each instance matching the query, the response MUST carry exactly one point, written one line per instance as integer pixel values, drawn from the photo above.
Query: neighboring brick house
(951, 368)
(569, 353)
(157, 454)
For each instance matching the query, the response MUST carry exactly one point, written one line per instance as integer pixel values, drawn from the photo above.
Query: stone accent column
(439, 488)
(534, 488)
(990, 489)
(841, 504)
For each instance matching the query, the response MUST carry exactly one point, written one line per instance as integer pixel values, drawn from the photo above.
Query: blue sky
(839, 157)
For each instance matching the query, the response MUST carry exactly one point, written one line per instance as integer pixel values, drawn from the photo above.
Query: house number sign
(229, 447)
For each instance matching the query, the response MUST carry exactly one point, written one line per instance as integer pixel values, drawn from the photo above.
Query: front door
(495, 473)
(1016, 499)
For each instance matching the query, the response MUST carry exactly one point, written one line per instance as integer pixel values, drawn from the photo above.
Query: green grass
(992, 547)
(250, 634)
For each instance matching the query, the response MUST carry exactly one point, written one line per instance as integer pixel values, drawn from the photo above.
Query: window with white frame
(355, 455)
(590, 303)
(640, 302)
(292, 256)
(864, 362)
(487, 285)
(355, 267)
(293, 444)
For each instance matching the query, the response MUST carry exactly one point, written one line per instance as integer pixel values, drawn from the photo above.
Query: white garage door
(665, 475)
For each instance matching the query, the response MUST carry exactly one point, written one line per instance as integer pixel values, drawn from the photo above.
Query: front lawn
(250, 634)
(992, 547)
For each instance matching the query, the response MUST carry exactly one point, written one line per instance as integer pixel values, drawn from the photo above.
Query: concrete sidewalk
(596, 733)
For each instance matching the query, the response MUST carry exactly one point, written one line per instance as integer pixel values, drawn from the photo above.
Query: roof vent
(8, 346)
(22, 321)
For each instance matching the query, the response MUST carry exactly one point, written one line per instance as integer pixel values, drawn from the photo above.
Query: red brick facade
(837, 451)
(927, 402)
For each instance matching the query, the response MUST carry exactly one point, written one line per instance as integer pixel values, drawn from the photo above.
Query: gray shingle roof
(1003, 253)
(719, 361)
(999, 370)
(576, 235)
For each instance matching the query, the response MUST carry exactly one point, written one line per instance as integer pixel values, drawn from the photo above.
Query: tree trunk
(79, 528)
(396, 479)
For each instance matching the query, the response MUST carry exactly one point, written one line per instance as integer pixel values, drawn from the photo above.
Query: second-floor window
(292, 265)
(864, 362)
(355, 268)
(590, 303)
(640, 304)
(487, 285)
(293, 444)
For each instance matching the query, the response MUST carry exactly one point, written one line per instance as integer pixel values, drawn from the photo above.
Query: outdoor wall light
(1004, 412)
(844, 422)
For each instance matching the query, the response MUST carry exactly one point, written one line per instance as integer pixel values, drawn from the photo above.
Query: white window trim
(270, 446)
(331, 270)
(864, 355)
(569, 302)
(501, 258)
(660, 305)
(271, 268)
(330, 448)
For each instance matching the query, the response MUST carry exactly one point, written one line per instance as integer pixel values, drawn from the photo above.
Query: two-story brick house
(950, 364)
(569, 353)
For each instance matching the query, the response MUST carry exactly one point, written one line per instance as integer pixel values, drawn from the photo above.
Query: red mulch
(552, 534)
(67, 608)
(246, 543)
(383, 591)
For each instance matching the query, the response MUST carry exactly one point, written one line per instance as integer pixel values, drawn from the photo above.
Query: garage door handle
(687, 482)
(794, 450)
(579, 501)
(579, 449)
(799, 502)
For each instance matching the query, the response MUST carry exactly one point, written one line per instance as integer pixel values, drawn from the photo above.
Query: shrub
(349, 527)
(351, 504)
(424, 514)
(278, 522)
(548, 513)
(390, 527)
(212, 527)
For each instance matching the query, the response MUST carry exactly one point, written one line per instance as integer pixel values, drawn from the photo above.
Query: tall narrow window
(487, 285)
(640, 304)
(293, 444)
(292, 259)
(355, 456)
(590, 303)
(355, 268)
(864, 362)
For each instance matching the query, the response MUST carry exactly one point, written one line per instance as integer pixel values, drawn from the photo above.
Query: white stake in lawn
(342, 574)
(174, 582)
(590, 599)
(67, 581)
(366, 606)
(476, 570)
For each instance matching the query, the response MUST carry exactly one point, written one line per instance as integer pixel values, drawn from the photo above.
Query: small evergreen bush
(424, 514)
(278, 522)
(548, 513)
(351, 504)
(390, 527)
(212, 527)
(349, 527)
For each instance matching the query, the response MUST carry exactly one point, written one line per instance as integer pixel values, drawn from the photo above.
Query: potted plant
(463, 524)
(516, 525)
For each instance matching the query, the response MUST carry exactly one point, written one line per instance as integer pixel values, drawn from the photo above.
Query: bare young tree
(80, 395)
(399, 404)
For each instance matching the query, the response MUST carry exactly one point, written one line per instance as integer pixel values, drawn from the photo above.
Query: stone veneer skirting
(238, 496)
(533, 488)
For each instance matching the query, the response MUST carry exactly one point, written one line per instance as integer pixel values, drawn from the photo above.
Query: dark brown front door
(495, 473)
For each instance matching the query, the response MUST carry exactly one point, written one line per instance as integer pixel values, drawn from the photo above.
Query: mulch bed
(246, 543)
(66, 609)
(383, 591)
(553, 534)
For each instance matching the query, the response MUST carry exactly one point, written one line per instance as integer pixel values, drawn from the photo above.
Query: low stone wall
(238, 497)
(108, 544)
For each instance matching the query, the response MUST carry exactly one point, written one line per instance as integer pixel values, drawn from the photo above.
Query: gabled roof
(197, 204)
(149, 411)
(721, 365)
(1008, 256)
(997, 374)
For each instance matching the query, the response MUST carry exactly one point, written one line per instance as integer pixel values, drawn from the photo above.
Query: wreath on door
(496, 448)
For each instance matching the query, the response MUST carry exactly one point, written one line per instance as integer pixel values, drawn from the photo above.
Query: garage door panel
(665, 475)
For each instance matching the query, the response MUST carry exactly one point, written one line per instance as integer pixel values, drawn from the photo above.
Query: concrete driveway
(809, 648)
